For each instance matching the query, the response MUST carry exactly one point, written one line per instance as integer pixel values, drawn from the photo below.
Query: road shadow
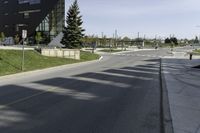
(140, 68)
(90, 101)
(124, 71)
(198, 67)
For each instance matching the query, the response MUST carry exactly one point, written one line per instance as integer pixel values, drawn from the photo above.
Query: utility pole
(113, 40)
(116, 36)
(110, 45)
(102, 34)
(138, 39)
(143, 41)
(101, 39)
(138, 35)
(156, 44)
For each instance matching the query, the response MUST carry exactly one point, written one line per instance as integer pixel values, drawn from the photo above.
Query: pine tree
(2, 37)
(73, 33)
(196, 40)
(38, 37)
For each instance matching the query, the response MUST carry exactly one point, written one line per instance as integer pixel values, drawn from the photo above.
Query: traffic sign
(24, 34)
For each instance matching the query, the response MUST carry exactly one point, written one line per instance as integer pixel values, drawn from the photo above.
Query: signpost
(24, 36)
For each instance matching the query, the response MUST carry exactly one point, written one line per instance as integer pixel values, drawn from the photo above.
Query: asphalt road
(119, 94)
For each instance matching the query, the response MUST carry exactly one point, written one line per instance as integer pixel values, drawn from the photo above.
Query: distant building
(45, 16)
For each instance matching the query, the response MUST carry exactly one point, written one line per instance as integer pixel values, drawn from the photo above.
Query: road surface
(119, 94)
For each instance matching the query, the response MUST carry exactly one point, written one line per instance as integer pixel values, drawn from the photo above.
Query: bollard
(190, 56)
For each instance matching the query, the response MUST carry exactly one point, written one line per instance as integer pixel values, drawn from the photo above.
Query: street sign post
(24, 36)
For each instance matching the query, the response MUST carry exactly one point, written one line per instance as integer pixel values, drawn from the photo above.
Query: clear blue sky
(150, 17)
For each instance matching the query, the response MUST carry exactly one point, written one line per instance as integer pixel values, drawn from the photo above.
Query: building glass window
(54, 21)
(31, 2)
(26, 15)
(5, 2)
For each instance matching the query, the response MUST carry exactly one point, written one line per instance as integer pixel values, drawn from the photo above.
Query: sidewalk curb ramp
(166, 119)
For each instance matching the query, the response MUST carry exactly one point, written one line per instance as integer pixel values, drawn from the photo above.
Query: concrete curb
(121, 52)
(48, 69)
(14, 48)
(134, 50)
(166, 119)
(100, 58)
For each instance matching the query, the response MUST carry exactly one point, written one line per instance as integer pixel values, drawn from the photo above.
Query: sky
(152, 18)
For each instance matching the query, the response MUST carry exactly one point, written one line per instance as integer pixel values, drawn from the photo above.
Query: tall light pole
(116, 36)
(138, 35)
(198, 26)
(143, 41)
(138, 40)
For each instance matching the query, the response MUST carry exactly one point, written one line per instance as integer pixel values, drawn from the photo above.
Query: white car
(8, 41)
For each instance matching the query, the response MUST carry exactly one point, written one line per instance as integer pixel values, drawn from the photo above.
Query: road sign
(24, 34)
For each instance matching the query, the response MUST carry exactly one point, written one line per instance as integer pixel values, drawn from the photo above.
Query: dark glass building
(45, 16)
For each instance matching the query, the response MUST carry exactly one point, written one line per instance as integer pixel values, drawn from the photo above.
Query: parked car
(8, 41)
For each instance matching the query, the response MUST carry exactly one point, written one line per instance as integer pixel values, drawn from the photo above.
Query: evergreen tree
(38, 37)
(73, 33)
(17, 39)
(174, 40)
(167, 40)
(196, 40)
(2, 37)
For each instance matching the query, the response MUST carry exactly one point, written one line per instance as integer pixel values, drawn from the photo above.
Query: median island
(111, 50)
(10, 61)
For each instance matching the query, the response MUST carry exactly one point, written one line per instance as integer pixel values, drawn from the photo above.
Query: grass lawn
(111, 50)
(10, 61)
(197, 52)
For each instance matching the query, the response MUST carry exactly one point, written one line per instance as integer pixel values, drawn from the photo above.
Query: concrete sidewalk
(16, 47)
(183, 86)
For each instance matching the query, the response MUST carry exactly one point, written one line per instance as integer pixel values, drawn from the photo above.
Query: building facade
(45, 16)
